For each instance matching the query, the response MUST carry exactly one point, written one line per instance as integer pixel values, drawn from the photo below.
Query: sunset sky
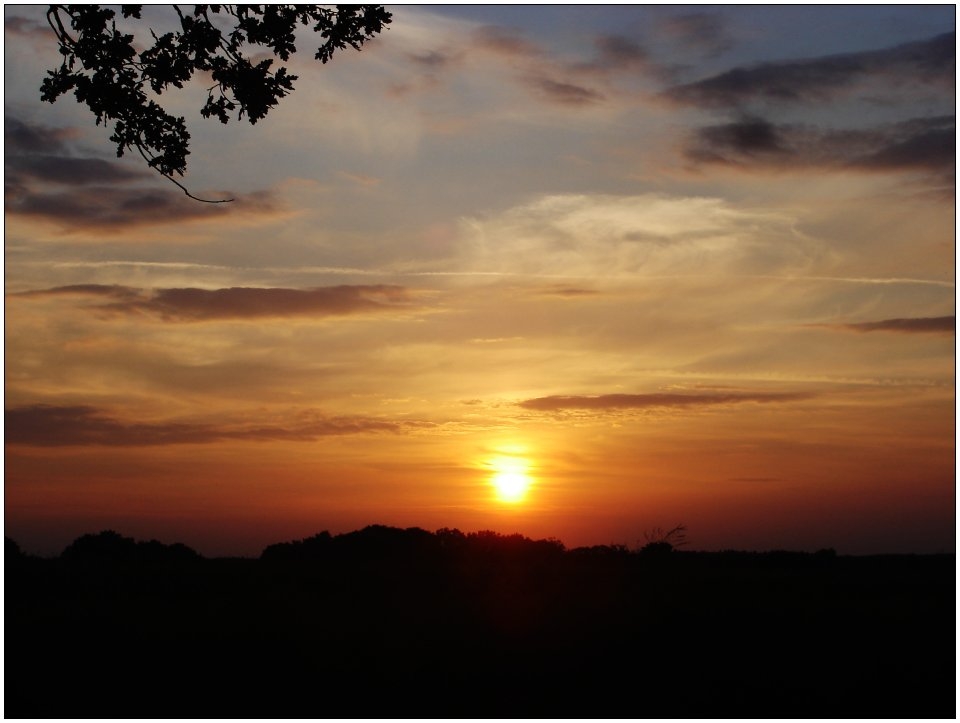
(645, 265)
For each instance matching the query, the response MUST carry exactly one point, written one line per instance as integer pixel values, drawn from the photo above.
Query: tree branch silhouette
(105, 71)
(174, 181)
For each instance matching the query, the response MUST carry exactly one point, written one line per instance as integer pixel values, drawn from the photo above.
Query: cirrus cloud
(579, 235)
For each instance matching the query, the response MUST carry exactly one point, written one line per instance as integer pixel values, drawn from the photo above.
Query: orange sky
(501, 239)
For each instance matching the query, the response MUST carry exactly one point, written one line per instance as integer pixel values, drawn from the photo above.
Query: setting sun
(510, 479)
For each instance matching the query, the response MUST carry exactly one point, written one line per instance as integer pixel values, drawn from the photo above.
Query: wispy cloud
(24, 137)
(929, 61)
(566, 291)
(704, 31)
(749, 137)
(541, 73)
(577, 235)
(927, 145)
(564, 92)
(505, 41)
(660, 400)
(76, 171)
(432, 60)
(614, 54)
(44, 425)
(30, 30)
(46, 179)
(190, 305)
(921, 325)
(113, 208)
(563, 81)
(360, 179)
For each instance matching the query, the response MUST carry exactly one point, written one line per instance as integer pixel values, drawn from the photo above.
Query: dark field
(395, 623)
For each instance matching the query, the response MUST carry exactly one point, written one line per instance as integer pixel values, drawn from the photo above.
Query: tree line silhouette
(390, 622)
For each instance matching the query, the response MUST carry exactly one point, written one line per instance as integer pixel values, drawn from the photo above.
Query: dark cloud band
(61, 426)
(931, 61)
(651, 401)
(922, 325)
(918, 144)
(186, 305)
(45, 179)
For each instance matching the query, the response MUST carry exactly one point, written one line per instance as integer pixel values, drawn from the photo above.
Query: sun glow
(510, 478)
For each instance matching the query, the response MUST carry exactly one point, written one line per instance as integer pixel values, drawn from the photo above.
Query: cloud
(926, 144)
(558, 81)
(566, 291)
(115, 292)
(72, 171)
(25, 28)
(920, 143)
(598, 235)
(653, 401)
(746, 137)
(41, 153)
(111, 209)
(700, 30)
(362, 180)
(921, 325)
(428, 68)
(929, 62)
(509, 45)
(189, 305)
(42, 425)
(505, 41)
(615, 53)
(20, 136)
(434, 59)
(46, 180)
(563, 92)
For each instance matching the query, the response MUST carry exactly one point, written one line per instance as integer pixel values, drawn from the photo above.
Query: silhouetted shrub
(155, 551)
(660, 543)
(451, 540)
(11, 551)
(105, 546)
(111, 546)
(601, 551)
(316, 547)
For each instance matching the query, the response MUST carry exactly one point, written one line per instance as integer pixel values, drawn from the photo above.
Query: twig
(174, 181)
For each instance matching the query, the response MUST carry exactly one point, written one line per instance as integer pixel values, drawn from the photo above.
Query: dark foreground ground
(394, 623)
